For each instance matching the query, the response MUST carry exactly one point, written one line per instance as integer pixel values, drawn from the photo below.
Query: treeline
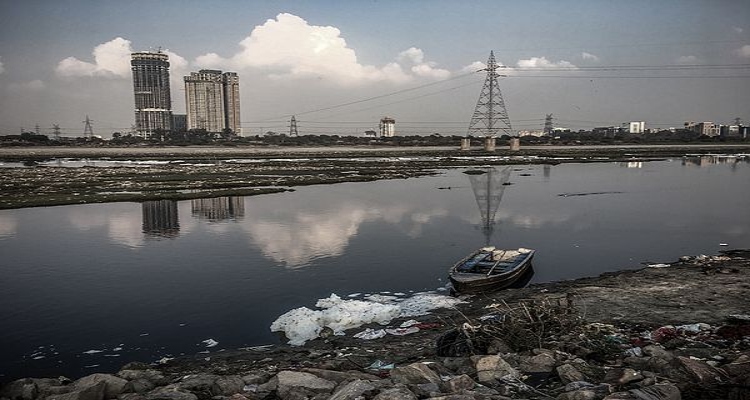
(201, 137)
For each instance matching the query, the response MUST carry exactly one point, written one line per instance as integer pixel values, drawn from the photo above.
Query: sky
(340, 66)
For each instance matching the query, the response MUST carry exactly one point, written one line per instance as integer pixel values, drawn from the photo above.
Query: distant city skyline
(340, 67)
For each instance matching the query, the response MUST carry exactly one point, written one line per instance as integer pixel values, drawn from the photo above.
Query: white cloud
(589, 56)
(743, 51)
(29, 86)
(474, 67)
(2, 68)
(111, 59)
(543, 63)
(288, 46)
(737, 29)
(412, 54)
(687, 60)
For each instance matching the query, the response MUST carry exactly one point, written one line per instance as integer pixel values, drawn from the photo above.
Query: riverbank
(666, 331)
(48, 176)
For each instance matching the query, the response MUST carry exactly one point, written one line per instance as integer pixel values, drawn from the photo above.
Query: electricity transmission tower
(490, 116)
(293, 127)
(56, 131)
(548, 127)
(88, 131)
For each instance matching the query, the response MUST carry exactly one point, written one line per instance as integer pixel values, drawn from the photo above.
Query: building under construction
(153, 100)
(212, 99)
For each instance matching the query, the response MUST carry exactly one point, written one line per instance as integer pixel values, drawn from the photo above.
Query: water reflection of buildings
(219, 208)
(160, 218)
(632, 164)
(706, 160)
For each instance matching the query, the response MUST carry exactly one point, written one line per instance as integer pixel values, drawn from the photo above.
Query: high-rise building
(387, 127)
(153, 101)
(212, 99)
(232, 101)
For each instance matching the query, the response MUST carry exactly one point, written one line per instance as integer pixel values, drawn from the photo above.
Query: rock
(237, 396)
(138, 386)
(290, 382)
(423, 390)
(458, 383)
(253, 379)
(135, 366)
(583, 394)
(414, 374)
(455, 397)
(396, 393)
(113, 385)
(699, 370)
(460, 365)
(622, 376)
(227, 385)
(490, 369)
(658, 351)
(92, 392)
(738, 367)
(339, 376)
(353, 390)
(170, 392)
(655, 392)
(131, 396)
(540, 363)
(201, 384)
(21, 389)
(568, 373)
(150, 375)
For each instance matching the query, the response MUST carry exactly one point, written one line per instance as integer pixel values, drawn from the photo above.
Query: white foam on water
(303, 324)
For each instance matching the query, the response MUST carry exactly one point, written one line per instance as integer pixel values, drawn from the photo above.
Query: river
(87, 288)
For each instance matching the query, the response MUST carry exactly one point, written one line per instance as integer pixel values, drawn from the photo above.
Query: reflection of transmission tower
(293, 127)
(488, 190)
(490, 116)
(548, 127)
(88, 131)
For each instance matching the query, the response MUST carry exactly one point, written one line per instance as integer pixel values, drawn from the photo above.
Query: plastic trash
(634, 352)
(658, 265)
(370, 334)
(380, 365)
(402, 331)
(408, 323)
(693, 328)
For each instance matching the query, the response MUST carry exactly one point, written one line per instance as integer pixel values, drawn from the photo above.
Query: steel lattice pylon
(488, 190)
(293, 127)
(490, 116)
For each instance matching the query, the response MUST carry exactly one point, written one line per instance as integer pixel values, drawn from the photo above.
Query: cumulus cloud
(288, 46)
(30, 86)
(687, 60)
(474, 67)
(590, 57)
(543, 63)
(737, 29)
(2, 68)
(743, 51)
(111, 59)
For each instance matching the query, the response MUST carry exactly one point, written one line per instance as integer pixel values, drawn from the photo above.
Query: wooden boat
(489, 269)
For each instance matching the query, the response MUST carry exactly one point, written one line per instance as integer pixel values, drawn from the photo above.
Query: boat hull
(477, 283)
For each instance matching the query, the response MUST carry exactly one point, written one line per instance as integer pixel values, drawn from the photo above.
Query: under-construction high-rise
(212, 99)
(153, 101)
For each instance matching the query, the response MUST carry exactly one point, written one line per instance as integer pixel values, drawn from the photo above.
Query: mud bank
(35, 177)
(666, 331)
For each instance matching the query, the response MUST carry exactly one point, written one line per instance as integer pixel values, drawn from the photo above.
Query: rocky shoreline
(667, 331)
